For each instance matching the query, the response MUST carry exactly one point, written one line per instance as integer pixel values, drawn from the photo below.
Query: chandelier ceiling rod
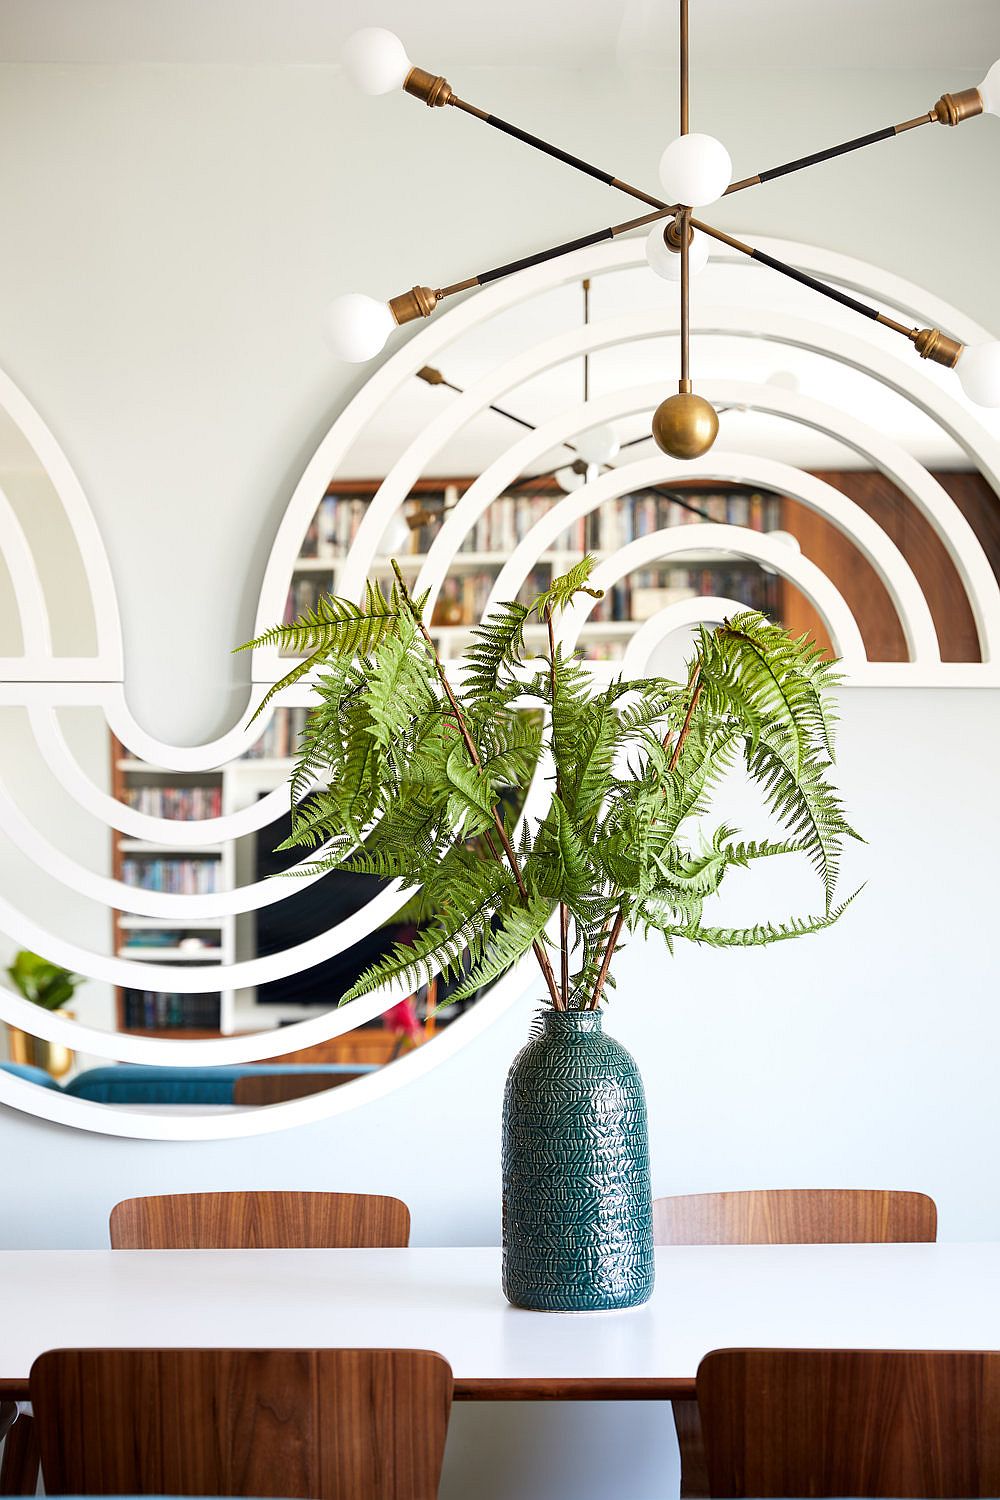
(696, 170)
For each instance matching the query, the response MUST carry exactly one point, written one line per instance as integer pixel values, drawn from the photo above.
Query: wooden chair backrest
(260, 1089)
(325, 1424)
(260, 1221)
(783, 1422)
(798, 1216)
(795, 1216)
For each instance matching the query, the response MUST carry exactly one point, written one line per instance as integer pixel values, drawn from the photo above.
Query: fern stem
(612, 943)
(695, 685)
(563, 908)
(470, 745)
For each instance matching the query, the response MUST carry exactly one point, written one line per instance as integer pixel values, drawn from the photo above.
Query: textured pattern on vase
(577, 1202)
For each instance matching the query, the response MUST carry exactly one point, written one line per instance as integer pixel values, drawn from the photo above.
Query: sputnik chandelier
(695, 172)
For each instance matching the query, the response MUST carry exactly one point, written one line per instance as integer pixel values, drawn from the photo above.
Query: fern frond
(399, 690)
(497, 644)
(334, 626)
(559, 868)
(764, 932)
(806, 805)
(451, 939)
(565, 589)
(473, 796)
(510, 941)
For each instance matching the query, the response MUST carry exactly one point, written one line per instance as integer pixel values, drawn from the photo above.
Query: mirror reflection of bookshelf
(169, 867)
(489, 544)
(173, 868)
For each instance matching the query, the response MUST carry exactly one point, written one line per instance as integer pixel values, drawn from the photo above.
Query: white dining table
(939, 1296)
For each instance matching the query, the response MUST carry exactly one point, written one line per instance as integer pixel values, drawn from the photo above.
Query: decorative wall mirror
(850, 493)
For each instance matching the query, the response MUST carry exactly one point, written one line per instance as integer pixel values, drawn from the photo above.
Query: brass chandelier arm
(930, 343)
(421, 301)
(951, 109)
(437, 91)
(431, 376)
(802, 162)
(546, 147)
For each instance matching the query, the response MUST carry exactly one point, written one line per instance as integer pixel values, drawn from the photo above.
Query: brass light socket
(418, 302)
(931, 343)
(672, 235)
(430, 87)
(952, 109)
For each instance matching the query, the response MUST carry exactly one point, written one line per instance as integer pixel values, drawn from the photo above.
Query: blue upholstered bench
(131, 1083)
(30, 1074)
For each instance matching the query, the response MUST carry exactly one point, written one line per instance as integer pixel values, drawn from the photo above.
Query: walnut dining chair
(323, 1424)
(783, 1422)
(789, 1216)
(260, 1221)
(225, 1221)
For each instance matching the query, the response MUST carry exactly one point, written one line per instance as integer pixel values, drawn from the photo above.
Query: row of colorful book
(180, 802)
(511, 517)
(335, 525)
(177, 877)
(643, 593)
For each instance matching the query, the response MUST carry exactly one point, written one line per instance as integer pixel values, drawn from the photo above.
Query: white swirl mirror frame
(42, 681)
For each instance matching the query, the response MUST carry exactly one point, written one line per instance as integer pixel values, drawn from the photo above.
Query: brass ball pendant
(685, 425)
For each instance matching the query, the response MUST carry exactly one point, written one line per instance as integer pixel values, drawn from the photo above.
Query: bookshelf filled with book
(149, 866)
(489, 544)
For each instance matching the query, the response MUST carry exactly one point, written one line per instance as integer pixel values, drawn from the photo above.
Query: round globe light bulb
(598, 445)
(569, 479)
(667, 262)
(989, 90)
(357, 326)
(979, 372)
(375, 60)
(695, 170)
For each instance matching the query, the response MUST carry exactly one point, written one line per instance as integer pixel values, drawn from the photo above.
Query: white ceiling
(962, 35)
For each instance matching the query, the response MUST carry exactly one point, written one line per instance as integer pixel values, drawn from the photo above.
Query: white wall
(170, 236)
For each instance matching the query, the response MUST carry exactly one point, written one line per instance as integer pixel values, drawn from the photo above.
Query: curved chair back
(260, 1221)
(851, 1422)
(795, 1216)
(324, 1424)
(789, 1216)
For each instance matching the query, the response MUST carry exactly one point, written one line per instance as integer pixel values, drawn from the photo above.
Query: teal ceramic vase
(577, 1205)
